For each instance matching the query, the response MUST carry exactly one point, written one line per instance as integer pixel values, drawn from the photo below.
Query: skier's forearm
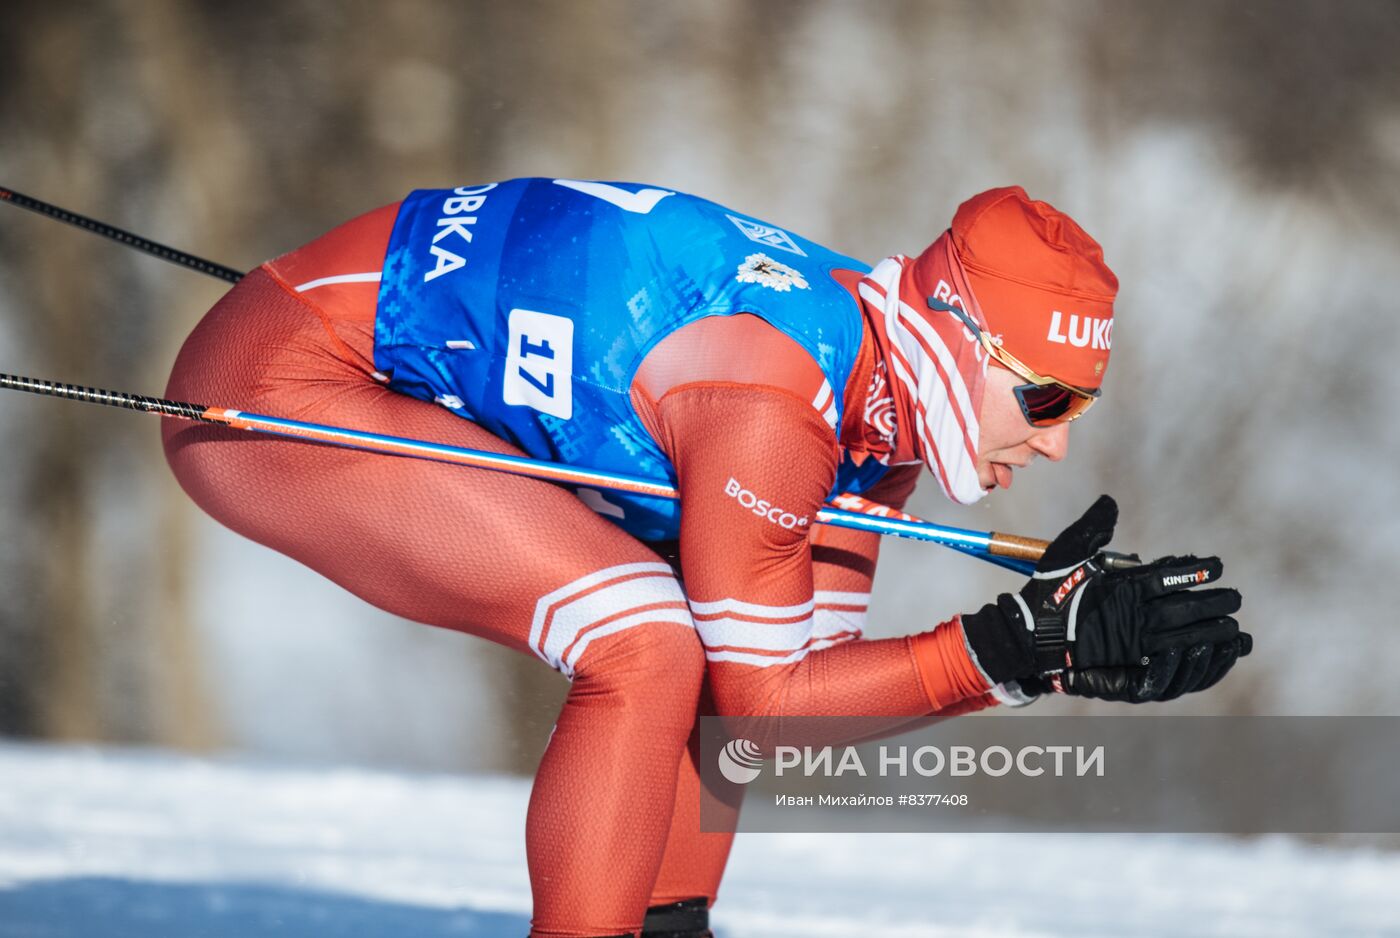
(905, 677)
(946, 669)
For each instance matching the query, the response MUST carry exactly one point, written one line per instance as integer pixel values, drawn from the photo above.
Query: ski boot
(689, 918)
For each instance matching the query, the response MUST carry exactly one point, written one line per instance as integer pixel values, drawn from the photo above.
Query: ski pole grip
(1032, 549)
(1016, 547)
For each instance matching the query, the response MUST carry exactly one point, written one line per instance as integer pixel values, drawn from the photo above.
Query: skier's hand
(1072, 614)
(1166, 676)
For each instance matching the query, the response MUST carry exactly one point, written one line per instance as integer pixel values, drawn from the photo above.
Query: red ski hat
(1040, 282)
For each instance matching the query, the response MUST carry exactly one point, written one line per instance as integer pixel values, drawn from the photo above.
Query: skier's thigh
(446, 545)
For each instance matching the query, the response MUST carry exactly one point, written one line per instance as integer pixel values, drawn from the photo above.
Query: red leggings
(408, 536)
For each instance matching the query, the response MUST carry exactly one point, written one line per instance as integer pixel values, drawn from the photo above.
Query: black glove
(1072, 614)
(1166, 676)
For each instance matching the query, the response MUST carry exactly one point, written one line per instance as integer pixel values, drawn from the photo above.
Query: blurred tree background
(1238, 160)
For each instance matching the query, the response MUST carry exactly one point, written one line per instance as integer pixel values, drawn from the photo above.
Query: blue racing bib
(526, 306)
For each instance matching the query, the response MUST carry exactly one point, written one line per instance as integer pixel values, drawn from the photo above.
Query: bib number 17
(540, 363)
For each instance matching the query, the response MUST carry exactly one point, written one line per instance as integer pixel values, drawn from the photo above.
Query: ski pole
(845, 511)
(124, 237)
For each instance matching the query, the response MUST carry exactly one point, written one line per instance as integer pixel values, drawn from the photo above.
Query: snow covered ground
(105, 842)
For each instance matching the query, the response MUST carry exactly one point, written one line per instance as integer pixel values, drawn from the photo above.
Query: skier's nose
(1051, 442)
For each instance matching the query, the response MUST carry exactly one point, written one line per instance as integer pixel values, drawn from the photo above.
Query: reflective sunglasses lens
(1049, 404)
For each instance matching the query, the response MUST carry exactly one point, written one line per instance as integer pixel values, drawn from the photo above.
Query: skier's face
(1007, 441)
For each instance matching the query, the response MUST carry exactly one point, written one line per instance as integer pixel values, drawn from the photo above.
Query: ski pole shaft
(846, 511)
(153, 248)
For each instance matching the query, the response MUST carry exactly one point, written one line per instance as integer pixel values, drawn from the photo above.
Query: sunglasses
(1044, 401)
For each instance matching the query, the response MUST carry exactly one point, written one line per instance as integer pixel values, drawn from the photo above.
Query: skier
(638, 329)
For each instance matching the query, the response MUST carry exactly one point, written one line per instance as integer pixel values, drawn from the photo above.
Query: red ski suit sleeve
(778, 601)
